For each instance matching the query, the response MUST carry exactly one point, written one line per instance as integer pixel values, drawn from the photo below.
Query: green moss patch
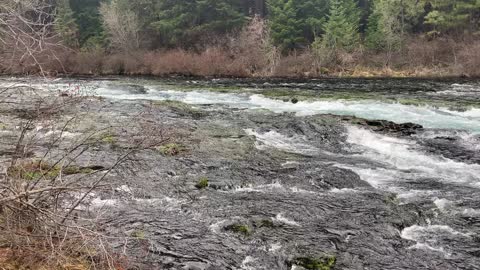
(202, 183)
(33, 170)
(240, 229)
(311, 263)
(138, 234)
(171, 149)
(109, 138)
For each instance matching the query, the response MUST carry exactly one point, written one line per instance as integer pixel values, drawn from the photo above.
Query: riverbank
(421, 58)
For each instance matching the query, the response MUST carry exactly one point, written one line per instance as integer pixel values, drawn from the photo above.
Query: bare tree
(42, 183)
(27, 39)
(122, 25)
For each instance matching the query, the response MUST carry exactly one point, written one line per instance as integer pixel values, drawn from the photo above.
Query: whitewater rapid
(427, 116)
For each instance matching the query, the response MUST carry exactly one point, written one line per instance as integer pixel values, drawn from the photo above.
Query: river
(297, 170)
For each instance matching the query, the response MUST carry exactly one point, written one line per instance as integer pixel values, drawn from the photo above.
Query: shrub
(202, 183)
(171, 149)
(310, 263)
(239, 228)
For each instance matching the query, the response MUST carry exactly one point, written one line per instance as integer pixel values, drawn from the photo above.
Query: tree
(341, 29)
(122, 25)
(66, 25)
(26, 39)
(90, 27)
(454, 16)
(185, 22)
(390, 21)
(296, 23)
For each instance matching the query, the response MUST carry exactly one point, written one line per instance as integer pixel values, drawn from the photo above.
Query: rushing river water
(286, 152)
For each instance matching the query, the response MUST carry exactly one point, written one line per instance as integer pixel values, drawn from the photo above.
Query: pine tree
(454, 16)
(374, 36)
(341, 29)
(65, 25)
(90, 29)
(390, 21)
(184, 22)
(295, 23)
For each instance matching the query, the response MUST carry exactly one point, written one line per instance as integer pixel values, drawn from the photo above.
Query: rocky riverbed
(332, 174)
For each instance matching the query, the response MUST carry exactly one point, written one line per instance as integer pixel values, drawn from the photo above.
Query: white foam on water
(275, 247)
(376, 177)
(299, 190)
(458, 89)
(423, 234)
(248, 263)
(261, 188)
(63, 134)
(343, 190)
(100, 203)
(471, 212)
(404, 161)
(125, 189)
(427, 116)
(217, 226)
(276, 140)
(443, 204)
(413, 194)
(427, 247)
(426, 236)
(285, 164)
(283, 219)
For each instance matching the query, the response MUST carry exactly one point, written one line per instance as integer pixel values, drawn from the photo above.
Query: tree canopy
(293, 24)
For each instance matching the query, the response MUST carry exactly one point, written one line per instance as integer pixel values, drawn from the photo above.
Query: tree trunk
(260, 8)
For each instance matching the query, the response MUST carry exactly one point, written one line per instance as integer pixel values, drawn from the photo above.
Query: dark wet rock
(453, 147)
(405, 129)
(341, 178)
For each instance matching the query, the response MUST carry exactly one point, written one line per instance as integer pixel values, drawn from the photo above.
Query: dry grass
(249, 54)
(469, 59)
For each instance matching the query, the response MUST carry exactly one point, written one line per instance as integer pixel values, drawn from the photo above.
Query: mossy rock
(70, 170)
(180, 108)
(391, 199)
(108, 138)
(138, 234)
(171, 149)
(202, 183)
(33, 170)
(312, 263)
(240, 229)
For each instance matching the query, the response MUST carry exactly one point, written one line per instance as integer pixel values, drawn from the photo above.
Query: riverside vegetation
(256, 38)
